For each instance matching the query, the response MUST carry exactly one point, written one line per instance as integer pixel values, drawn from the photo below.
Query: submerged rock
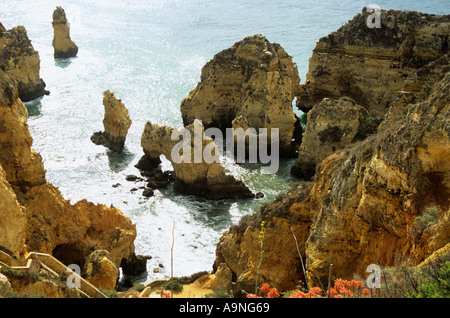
(252, 84)
(201, 178)
(116, 123)
(63, 45)
(21, 62)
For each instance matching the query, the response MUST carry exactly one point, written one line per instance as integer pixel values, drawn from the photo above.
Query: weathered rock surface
(63, 45)
(252, 84)
(116, 123)
(331, 126)
(100, 271)
(192, 176)
(35, 216)
(370, 65)
(361, 208)
(21, 62)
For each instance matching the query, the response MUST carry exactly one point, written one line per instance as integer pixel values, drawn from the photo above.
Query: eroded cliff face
(193, 156)
(331, 125)
(361, 208)
(116, 123)
(35, 216)
(371, 181)
(63, 45)
(251, 84)
(370, 65)
(21, 61)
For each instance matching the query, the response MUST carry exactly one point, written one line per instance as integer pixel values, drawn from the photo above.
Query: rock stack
(116, 123)
(63, 45)
(252, 84)
(21, 62)
(202, 177)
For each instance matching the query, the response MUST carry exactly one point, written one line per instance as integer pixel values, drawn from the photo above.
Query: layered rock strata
(251, 84)
(361, 208)
(116, 123)
(195, 160)
(371, 190)
(35, 216)
(63, 45)
(370, 65)
(21, 61)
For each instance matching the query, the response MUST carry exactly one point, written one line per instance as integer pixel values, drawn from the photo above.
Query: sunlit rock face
(63, 45)
(21, 62)
(116, 122)
(251, 84)
(34, 214)
(193, 156)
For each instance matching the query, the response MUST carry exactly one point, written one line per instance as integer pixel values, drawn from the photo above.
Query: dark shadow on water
(34, 107)
(119, 161)
(63, 63)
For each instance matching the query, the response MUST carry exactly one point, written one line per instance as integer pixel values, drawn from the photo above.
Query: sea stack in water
(62, 43)
(21, 62)
(116, 123)
(250, 84)
(194, 172)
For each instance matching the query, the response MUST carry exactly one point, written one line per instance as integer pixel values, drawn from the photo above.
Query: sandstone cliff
(331, 125)
(370, 65)
(35, 216)
(373, 183)
(21, 61)
(116, 123)
(203, 176)
(361, 208)
(254, 82)
(63, 45)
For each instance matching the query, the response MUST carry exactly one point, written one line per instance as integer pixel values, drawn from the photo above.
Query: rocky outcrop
(331, 125)
(21, 61)
(361, 209)
(252, 84)
(35, 216)
(195, 161)
(370, 65)
(116, 123)
(63, 45)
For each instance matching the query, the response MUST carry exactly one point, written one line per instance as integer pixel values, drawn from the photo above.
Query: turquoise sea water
(150, 54)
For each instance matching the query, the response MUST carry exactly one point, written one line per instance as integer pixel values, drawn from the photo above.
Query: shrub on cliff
(435, 286)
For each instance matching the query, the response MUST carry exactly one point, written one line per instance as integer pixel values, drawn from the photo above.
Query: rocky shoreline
(372, 159)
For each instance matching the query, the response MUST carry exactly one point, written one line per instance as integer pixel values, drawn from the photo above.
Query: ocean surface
(150, 54)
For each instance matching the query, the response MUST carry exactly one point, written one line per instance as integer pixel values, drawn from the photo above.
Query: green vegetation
(436, 285)
(424, 221)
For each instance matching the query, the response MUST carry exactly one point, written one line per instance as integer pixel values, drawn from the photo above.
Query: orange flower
(315, 291)
(251, 296)
(365, 292)
(165, 295)
(298, 294)
(273, 293)
(265, 288)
